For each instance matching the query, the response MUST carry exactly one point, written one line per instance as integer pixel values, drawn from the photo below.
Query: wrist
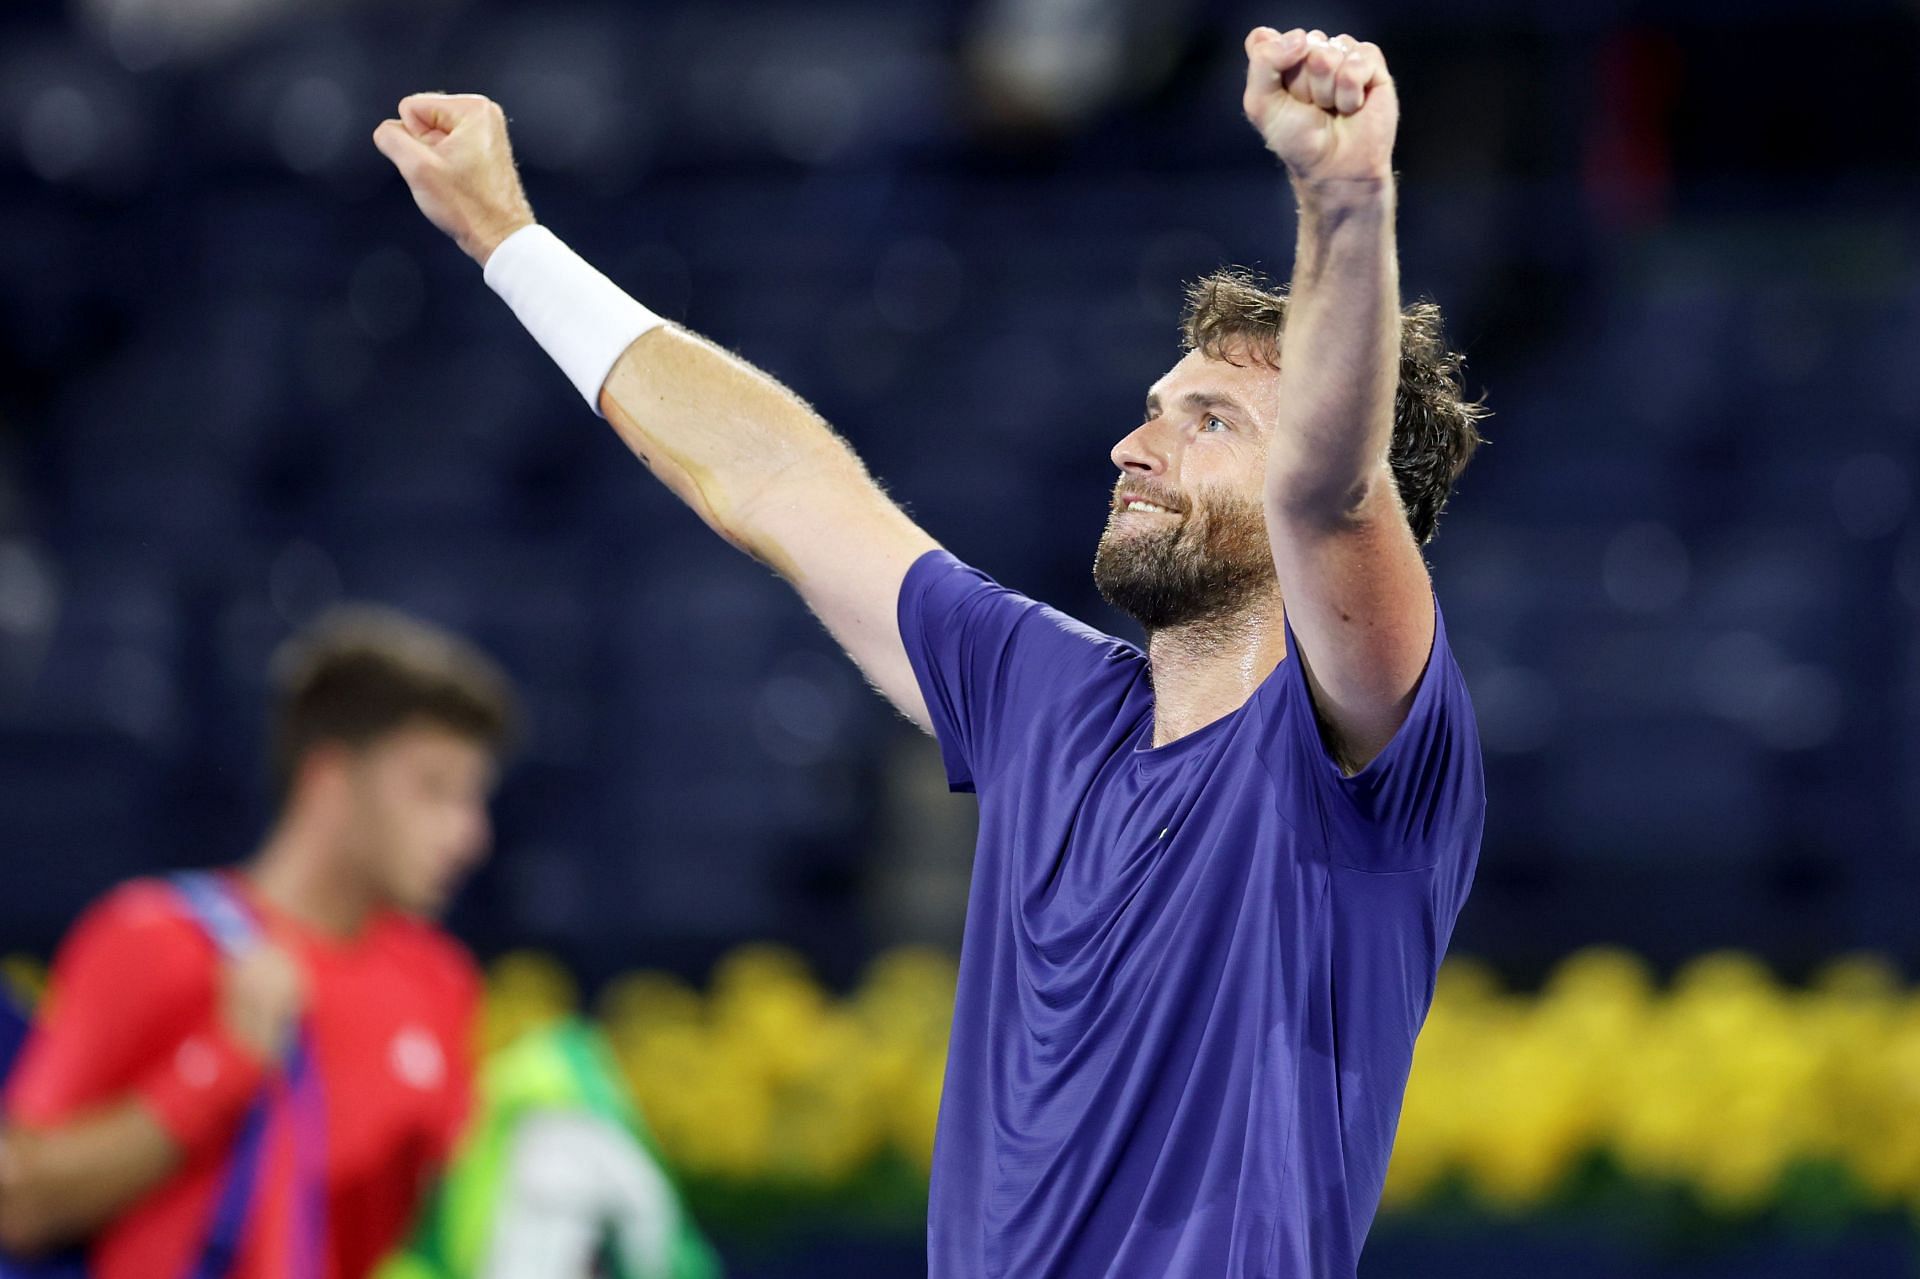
(480, 247)
(580, 318)
(1345, 195)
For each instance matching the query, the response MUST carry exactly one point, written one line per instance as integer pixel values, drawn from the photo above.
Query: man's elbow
(1325, 498)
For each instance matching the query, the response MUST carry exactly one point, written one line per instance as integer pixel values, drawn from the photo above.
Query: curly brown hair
(1234, 311)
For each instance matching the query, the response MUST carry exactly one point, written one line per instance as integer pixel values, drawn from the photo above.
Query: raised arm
(1355, 587)
(750, 457)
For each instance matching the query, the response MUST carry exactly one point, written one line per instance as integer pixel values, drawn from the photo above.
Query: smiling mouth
(1131, 505)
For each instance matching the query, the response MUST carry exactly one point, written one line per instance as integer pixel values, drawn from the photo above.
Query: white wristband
(577, 315)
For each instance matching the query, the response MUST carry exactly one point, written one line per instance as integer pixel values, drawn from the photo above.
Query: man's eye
(1213, 424)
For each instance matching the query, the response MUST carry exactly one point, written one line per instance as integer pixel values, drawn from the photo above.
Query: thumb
(407, 152)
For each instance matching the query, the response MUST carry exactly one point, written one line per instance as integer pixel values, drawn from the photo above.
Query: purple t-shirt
(1192, 975)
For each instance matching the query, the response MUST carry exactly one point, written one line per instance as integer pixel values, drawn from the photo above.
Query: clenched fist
(452, 149)
(262, 994)
(1326, 106)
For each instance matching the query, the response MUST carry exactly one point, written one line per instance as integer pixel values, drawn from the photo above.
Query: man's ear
(322, 772)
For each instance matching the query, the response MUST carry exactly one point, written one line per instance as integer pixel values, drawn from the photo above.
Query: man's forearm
(766, 473)
(725, 438)
(1340, 350)
(717, 431)
(61, 1185)
(749, 456)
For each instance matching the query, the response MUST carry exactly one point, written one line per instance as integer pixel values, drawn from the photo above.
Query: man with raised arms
(1216, 876)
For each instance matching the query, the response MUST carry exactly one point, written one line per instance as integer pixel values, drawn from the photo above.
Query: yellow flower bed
(1717, 1082)
(764, 1076)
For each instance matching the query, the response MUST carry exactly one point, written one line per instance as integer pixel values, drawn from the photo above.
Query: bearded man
(1215, 878)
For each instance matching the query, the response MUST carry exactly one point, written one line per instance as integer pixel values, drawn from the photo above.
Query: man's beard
(1210, 566)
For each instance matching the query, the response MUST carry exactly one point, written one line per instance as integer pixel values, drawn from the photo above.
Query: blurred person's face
(416, 817)
(1186, 536)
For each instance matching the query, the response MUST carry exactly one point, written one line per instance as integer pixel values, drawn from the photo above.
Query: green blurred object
(562, 1067)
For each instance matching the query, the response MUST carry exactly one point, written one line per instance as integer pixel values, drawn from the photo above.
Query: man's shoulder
(147, 912)
(136, 942)
(956, 582)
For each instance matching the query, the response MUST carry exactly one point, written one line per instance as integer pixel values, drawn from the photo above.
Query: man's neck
(295, 874)
(1205, 670)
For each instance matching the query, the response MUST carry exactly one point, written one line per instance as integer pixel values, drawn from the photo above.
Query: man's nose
(1147, 450)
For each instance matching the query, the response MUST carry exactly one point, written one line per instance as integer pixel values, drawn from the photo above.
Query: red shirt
(132, 1011)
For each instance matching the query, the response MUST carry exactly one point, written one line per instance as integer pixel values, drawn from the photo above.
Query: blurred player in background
(253, 1074)
(1215, 878)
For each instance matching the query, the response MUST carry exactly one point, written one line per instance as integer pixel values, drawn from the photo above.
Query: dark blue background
(240, 377)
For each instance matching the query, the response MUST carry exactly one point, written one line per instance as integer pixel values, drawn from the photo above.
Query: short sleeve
(130, 1012)
(989, 659)
(1422, 799)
